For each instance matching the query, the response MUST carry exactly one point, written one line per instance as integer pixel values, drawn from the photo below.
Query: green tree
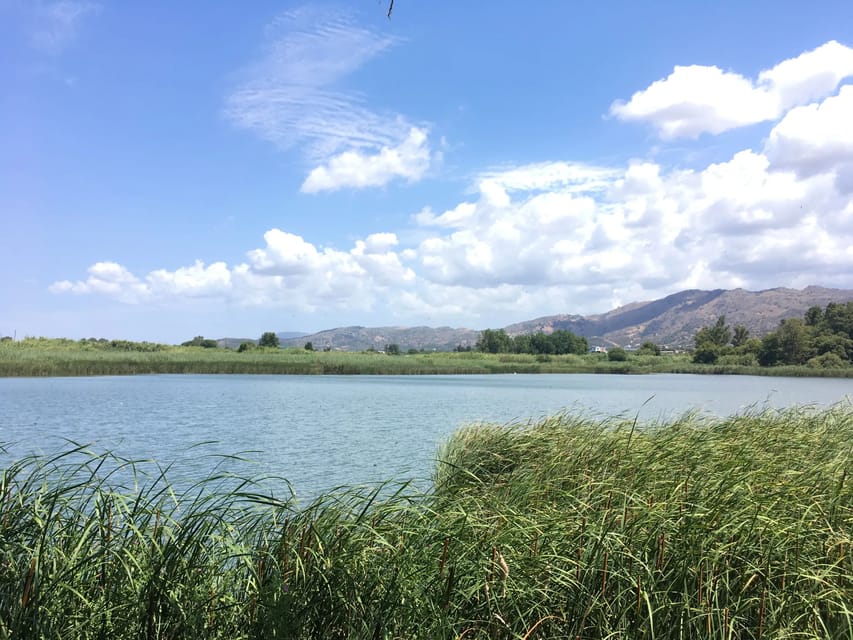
(309, 346)
(392, 349)
(557, 342)
(711, 342)
(741, 335)
(522, 343)
(839, 318)
(814, 316)
(245, 346)
(268, 339)
(494, 341)
(706, 353)
(541, 343)
(648, 348)
(770, 353)
(827, 361)
(836, 343)
(793, 341)
(821, 338)
(789, 344)
(568, 342)
(200, 341)
(752, 345)
(718, 335)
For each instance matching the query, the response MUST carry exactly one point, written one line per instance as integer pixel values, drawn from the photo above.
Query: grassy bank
(567, 528)
(67, 358)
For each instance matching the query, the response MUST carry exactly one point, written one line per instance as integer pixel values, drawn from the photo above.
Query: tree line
(92, 344)
(822, 338)
(556, 343)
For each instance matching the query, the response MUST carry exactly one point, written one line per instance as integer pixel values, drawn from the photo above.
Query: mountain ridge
(669, 321)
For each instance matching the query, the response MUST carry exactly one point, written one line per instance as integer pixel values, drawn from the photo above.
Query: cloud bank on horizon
(322, 166)
(562, 230)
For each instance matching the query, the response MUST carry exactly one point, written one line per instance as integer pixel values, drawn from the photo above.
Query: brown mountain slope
(361, 338)
(671, 321)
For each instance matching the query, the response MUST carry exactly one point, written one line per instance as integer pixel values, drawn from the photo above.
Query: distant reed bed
(567, 527)
(45, 357)
(42, 358)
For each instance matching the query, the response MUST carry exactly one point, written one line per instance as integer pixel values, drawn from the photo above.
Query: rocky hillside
(234, 343)
(360, 338)
(670, 321)
(673, 320)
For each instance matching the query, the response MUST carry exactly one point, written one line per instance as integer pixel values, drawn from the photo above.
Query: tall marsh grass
(563, 528)
(67, 358)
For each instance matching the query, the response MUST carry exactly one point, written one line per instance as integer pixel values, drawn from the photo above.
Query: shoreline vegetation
(43, 357)
(568, 527)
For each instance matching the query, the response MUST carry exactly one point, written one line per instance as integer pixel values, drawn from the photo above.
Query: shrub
(706, 353)
(617, 354)
(827, 361)
(738, 359)
(648, 348)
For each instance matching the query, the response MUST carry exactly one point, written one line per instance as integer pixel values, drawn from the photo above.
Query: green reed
(567, 527)
(63, 357)
(37, 357)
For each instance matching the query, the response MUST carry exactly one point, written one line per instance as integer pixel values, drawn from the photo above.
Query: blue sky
(223, 169)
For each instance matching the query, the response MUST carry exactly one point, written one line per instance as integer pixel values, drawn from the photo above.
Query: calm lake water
(320, 432)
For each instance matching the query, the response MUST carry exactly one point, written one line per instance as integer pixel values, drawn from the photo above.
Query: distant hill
(670, 321)
(361, 338)
(233, 343)
(673, 320)
(287, 335)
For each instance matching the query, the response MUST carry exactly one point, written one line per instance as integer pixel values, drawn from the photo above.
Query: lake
(320, 432)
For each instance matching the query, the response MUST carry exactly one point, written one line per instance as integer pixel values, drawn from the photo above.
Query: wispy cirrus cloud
(299, 95)
(57, 24)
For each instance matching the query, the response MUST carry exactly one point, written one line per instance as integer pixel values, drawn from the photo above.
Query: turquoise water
(320, 432)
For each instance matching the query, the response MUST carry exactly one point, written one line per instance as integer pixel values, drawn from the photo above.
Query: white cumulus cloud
(410, 160)
(698, 99)
(810, 76)
(196, 281)
(109, 279)
(816, 137)
(558, 237)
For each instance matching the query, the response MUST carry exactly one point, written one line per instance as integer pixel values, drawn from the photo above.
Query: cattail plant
(565, 527)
